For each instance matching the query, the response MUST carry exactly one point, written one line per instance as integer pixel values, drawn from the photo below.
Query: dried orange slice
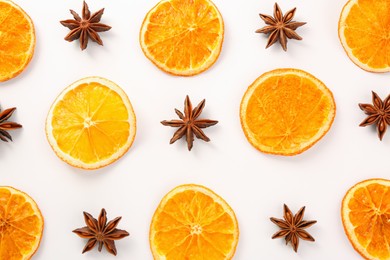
(21, 225)
(363, 32)
(17, 40)
(365, 214)
(91, 123)
(286, 111)
(192, 222)
(182, 37)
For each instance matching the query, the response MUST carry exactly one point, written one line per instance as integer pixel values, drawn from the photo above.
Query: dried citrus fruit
(182, 37)
(365, 214)
(21, 225)
(17, 40)
(363, 32)
(91, 123)
(192, 222)
(286, 111)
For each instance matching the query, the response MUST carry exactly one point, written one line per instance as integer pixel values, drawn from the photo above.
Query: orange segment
(17, 40)
(182, 37)
(91, 124)
(286, 111)
(364, 33)
(192, 222)
(366, 218)
(21, 225)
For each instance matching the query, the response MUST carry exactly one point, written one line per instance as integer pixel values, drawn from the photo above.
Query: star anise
(189, 124)
(280, 27)
(292, 227)
(101, 232)
(85, 27)
(6, 125)
(378, 113)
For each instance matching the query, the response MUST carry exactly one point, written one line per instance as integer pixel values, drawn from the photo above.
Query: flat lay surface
(255, 185)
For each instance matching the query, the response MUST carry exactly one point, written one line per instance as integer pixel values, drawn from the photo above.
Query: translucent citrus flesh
(365, 33)
(193, 223)
(367, 219)
(91, 123)
(183, 37)
(287, 112)
(21, 225)
(17, 40)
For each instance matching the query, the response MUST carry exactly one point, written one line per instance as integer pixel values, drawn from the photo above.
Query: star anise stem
(86, 27)
(189, 124)
(280, 27)
(292, 227)
(98, 231)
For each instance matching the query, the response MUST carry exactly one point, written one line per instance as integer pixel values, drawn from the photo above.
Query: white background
(254, 184)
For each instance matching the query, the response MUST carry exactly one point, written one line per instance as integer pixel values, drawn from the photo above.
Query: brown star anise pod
(6, 125)
(101, 232)
(189, 124)
(292, 227)
(280, 27)
(378, 113)
(85, 27)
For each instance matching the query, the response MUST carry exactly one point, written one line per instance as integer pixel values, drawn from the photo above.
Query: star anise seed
(85, 27)
(280, 27)
(292, 227)
(378, 113)
(7, 125)
(100, 232)
(189, 124)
